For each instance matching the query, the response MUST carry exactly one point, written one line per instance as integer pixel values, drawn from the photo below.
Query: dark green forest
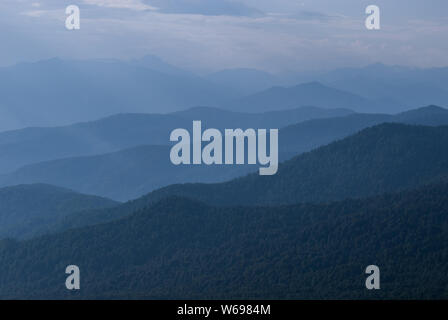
(179, 248)
(29, 210)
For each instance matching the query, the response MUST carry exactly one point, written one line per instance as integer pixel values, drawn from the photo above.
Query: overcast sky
(209, 35)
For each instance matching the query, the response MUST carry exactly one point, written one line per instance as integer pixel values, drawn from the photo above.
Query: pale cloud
(292, 35)
(206, 7)
(121, 4)
(34, 13)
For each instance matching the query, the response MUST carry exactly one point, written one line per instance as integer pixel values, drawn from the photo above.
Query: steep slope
(183, 249)
(27, 210)
(387, 157)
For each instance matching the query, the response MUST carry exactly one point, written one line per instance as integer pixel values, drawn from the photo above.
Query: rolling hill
(27, 210)
(179, 248)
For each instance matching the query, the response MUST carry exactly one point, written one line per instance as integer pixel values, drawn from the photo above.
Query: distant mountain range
(244, 81)
(31, 145)
(312, 93)
(407, 86)
(60, 92)
(387, 88)
(28, 210)
(130, 173)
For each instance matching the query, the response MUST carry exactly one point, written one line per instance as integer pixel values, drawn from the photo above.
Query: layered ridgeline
(108, 87)
(142, 86)
(130, 173)
(151, 85)
(312, 93)
(384, 158)
(310, 134)
(406, 85)
(27, 210)
(122, 175)
(183, 249)
(31, 145)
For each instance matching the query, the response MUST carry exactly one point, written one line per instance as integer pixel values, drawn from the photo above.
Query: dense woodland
(180, 248)
(30, 210)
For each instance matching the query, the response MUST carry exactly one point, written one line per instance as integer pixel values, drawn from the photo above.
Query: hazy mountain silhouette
(244, 81)
(122, 175)
(27, 210)
(157, 64)
(62, 92)
(312, 93)
(407, 86)
(31, 145)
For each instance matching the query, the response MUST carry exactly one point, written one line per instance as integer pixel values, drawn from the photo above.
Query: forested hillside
(180, 248)
(384, 158)
(27, 210)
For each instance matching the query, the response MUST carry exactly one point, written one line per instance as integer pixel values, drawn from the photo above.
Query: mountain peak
(315, 84)
(431, 109)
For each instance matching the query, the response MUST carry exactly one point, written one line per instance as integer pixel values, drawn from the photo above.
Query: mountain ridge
(305, 251)
(29, 210)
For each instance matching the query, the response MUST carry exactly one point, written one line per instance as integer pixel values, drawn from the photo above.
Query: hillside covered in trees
(180, 248)
(28, 210)
(384, 158)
